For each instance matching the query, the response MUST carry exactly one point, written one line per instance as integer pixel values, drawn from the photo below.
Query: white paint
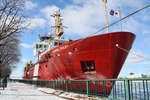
(36, 70)
(61, 48)
(70, 53)
(58, 55)
(117, 45)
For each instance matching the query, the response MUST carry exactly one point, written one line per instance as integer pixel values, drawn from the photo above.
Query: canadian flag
(114, 13)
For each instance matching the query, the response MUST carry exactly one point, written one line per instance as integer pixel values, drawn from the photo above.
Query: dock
(123, 89)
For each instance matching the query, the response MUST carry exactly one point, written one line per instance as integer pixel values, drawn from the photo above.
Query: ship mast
(58, 25)
(106, 16)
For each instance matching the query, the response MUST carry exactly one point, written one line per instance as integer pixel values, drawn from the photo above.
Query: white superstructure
(47, 43)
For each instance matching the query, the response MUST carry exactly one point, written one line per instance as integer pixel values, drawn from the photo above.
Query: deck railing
(122, 89)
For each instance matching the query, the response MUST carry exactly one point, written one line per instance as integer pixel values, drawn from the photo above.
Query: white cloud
(47, 11)
(83, 20)
(132, 25)
(26, 45)
(84, 17)
(146, 31)
(29, 5)
(145, 18)
(84, 1)
(80, 20)
(147, 40)
(145, 63)
(126, 3)
(35, 22)
(23, 60)
(137, 57)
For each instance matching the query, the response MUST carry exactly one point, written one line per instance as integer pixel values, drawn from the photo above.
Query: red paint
(108, 58)
(108, 51)
(28, 75)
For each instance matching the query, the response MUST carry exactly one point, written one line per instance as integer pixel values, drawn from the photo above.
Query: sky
(84, 17)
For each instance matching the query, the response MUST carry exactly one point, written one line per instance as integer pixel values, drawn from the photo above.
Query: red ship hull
(95, 57)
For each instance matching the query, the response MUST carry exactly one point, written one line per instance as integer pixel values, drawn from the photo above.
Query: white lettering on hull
(59, 49)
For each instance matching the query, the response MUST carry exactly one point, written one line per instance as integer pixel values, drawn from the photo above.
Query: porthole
(74, 49)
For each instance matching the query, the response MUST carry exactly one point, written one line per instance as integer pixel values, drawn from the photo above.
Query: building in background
(133, 75)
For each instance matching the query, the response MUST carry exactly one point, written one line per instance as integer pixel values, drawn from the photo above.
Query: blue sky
(84, 17)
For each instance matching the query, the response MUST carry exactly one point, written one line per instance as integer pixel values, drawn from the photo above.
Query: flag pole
(106, 16)
(120, 19)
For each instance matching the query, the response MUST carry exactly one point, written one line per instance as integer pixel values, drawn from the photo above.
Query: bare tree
(11, 17)
(9, 54)
(11, 24)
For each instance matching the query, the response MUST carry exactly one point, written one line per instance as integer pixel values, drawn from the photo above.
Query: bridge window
(87, 66)
(45, 46)
(60, 43)
(56, 43)
(40, 46)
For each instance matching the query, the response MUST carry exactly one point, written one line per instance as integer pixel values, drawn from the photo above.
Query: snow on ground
(21, 91)
(68, 95)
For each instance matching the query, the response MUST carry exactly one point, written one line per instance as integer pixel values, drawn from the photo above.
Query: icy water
(139, 90)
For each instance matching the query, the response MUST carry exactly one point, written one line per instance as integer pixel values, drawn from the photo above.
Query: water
(138, 90)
